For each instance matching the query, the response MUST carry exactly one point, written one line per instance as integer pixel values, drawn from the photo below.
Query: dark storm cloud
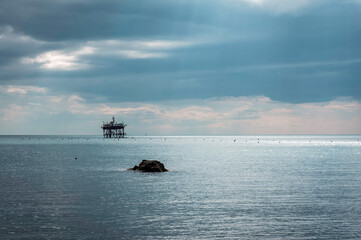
(311, 55)
(68, 20)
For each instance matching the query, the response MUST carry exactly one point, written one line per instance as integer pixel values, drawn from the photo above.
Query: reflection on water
(259, 187)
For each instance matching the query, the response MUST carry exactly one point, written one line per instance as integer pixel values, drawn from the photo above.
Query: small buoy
(76, 158)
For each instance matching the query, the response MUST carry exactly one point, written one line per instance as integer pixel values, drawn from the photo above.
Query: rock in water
(149, 166)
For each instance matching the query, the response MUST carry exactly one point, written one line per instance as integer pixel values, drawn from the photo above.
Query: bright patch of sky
(279, 6)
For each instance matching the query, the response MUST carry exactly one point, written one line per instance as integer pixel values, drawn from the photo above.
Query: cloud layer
(218, 116)
(164, 61)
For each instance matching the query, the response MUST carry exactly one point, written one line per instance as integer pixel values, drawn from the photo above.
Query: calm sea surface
(250, 187)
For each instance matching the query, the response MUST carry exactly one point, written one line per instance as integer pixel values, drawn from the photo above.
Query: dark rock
(149, 166)
(135, 168)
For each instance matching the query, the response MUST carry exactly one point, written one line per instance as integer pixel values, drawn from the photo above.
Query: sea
(217, 187)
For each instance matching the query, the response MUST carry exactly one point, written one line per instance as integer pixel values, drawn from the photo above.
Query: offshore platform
(113, 129)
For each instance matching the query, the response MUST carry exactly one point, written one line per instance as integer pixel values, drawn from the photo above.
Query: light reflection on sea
(253, 187)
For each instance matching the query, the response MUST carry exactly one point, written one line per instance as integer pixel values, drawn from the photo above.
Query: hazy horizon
(130, 136)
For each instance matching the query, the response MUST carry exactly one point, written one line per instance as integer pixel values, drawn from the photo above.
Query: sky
(180, 67)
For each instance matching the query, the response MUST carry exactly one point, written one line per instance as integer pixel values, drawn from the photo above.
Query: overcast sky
(181, 67)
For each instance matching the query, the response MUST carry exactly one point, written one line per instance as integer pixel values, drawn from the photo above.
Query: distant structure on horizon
(113, 129)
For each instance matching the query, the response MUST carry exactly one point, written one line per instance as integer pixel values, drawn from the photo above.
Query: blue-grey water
(250, 187)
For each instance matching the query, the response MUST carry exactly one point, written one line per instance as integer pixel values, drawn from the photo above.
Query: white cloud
(61, 60)
(144, 45)
(279, 6)
(138, 49)
(162, 44)
(134, 54)
(7, 34)
(70, 59)
(22, 89)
